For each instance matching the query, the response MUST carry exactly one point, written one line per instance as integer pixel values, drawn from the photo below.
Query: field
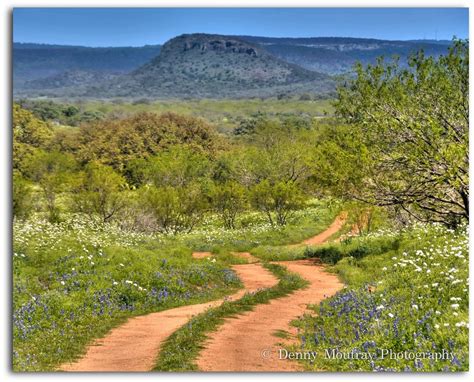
(75, 288)
(225, 114)
(412, 298)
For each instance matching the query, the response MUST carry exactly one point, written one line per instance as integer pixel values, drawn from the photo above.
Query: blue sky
(140, 26)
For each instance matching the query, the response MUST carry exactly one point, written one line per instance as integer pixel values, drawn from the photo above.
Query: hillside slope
(41, 61)
(337, 55)
(214, 66)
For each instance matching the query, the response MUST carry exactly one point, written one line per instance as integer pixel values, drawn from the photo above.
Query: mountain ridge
(202, 65)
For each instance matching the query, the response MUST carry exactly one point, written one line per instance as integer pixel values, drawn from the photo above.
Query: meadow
(75, 280)
(225, 114)
(411, 300)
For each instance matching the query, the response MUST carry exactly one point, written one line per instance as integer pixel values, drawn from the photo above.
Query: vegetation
(107, 211)
(407, 293)
(413, 125)
(76, 279)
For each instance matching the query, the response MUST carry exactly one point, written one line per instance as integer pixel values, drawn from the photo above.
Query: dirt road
(248, 342)
(243, 343)
(134, 345)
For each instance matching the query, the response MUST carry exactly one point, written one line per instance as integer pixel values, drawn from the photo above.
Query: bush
(359, 252)
(328, 255)
(22, 198)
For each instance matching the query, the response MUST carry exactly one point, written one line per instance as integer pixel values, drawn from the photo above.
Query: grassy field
(76, 280)
(406, 292)
(225, 114)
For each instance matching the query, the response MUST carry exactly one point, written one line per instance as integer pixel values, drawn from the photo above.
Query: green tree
(178, 166)
(53, 172)
(174, 209)
(29, 133)
(414, 125)
(277, 201)
(228, 199)
(116, 142)
(22, 196)
(100, 192)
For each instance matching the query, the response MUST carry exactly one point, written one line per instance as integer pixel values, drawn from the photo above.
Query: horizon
(286, 37)
(133, 27)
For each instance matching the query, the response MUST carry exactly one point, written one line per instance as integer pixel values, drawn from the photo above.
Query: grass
(410, 295)
(75, 280)
(180, 351)
(254, 231)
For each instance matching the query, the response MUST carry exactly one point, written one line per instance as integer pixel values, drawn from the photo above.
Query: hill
(201, 66)
(337, 55)
(40, 61)
(214, 66)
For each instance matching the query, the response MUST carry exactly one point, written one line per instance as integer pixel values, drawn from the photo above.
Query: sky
(142, 26)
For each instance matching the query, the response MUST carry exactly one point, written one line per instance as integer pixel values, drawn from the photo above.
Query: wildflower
(390, 315)
(63, 283)
(380, 307)
(414, 306)
(455, 306)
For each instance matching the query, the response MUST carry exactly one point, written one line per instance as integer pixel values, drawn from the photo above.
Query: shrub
(328, 255)
(21, 197)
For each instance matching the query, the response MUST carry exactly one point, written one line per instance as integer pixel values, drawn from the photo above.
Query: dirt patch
(202, 255)
(248, 342)
(134, 345)
(247, 256)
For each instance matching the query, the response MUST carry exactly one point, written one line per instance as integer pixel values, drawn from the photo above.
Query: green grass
(410, 296)
(254, 230)
(75, 280)
(281, 334)
(277, 251)
(181, 349)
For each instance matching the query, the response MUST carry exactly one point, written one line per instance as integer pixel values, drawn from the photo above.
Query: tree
(29, 133)
(100, 192)
(52, 171)
(174, 209)
(228, 199)
(414, 125)
(274, 152)
(22, 198)
(178, 166)
(116, 142)
(280, 199)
